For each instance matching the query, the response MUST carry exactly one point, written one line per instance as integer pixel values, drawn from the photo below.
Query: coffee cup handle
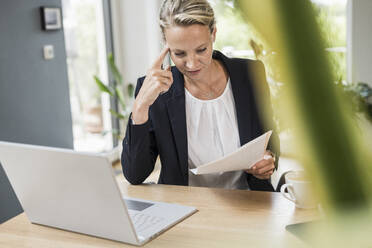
(290, 191)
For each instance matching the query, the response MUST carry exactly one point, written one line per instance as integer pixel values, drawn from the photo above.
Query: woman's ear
(214, 33)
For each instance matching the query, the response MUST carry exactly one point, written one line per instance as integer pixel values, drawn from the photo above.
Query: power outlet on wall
(48, 51)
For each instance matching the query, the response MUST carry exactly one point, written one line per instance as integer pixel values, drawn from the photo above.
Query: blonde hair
(185, 13)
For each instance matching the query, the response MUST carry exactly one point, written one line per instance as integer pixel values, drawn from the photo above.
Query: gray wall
(359, 40)
(34, 93)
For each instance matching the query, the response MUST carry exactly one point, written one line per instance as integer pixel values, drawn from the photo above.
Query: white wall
(359, 41)
(137, 39)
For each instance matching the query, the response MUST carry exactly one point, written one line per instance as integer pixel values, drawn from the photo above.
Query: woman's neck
(211, 85)
(212, 77)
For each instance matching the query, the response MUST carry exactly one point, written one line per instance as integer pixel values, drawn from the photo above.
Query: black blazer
(165, 132)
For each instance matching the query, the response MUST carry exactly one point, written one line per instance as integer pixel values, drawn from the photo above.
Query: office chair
(9, 204)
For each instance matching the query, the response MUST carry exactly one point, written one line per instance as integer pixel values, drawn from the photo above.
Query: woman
(197, 111)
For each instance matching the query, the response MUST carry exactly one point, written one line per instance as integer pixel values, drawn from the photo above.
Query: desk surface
(226, 218)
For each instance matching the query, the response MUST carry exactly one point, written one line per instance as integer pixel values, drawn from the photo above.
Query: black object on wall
(34, 93)
(51, 18)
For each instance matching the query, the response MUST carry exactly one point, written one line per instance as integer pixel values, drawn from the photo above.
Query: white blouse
(212, 132)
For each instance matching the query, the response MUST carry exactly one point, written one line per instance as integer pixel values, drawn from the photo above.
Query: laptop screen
(137, 205)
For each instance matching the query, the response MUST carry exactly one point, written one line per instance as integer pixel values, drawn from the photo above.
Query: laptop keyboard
(143, 221)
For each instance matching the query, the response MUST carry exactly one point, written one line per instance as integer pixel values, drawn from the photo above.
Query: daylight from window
(86, 57)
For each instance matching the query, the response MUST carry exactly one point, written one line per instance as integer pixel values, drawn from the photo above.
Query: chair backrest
(9, 204)
(281, 182)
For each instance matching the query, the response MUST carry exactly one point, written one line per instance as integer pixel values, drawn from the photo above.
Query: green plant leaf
(130, 90)
(115, 132)
(116, 114)
(105, 132)
(120, 96)
(103, 87)
(114, 69)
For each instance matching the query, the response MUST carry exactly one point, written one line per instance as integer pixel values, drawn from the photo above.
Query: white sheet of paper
(243, 158)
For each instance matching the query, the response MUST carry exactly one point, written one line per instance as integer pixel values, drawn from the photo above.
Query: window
(235, 37)
(331, 15)
(86, 56)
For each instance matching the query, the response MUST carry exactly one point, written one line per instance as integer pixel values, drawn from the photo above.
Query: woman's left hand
(264, 168)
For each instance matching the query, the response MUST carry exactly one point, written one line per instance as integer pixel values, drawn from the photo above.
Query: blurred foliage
(333, 32)
(332, 22)
(327, 140)
(316, 100)
(233, 31)
(360, 96)
(123, 93)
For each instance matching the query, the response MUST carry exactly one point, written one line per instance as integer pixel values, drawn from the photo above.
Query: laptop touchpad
(137, 205)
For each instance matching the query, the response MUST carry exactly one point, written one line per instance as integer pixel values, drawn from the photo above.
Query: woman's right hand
(156, 82)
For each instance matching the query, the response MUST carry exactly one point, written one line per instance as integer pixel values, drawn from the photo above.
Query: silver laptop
(78, 192)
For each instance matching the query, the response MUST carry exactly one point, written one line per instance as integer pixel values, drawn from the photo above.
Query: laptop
(301, 229)
(78, 192)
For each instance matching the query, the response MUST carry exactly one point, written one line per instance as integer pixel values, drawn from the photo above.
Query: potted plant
(359, 95)
(329, 144)
(123, 94)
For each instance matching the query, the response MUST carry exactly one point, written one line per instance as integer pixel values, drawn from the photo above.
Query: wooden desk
(226, 218)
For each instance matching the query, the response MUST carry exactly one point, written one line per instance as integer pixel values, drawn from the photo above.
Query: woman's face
(191, 48)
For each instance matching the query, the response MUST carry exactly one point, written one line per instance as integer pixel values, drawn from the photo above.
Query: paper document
(243, 158)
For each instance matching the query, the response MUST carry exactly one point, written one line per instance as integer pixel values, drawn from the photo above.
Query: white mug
(300, 190)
